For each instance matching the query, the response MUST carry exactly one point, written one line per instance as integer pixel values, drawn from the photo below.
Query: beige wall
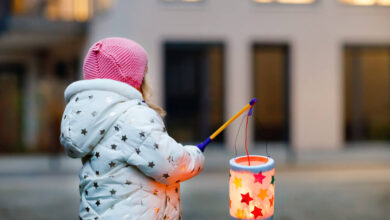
(316, 34)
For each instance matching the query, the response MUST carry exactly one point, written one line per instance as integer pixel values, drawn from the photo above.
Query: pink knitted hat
(116, 58)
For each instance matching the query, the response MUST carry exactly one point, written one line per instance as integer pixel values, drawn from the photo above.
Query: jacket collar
(102, 84)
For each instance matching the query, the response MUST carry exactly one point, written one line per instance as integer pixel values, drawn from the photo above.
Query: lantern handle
(203, 145)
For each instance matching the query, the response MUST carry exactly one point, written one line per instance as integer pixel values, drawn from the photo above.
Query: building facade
(319, 68)
(309, 44)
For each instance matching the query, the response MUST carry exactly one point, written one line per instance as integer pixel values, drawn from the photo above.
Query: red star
(259, 177)
(257, 212)
(246, 198)
(271, 201)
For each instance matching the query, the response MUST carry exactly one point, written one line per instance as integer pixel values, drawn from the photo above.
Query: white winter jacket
(132, 168)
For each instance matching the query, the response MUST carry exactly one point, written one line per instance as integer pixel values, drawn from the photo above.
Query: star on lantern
(257, 212)
(263, 194)
(165, 175)
(240, 213)
(102, 132)
(112, 164)
(137, 150)
(246, 198)
(97, 203)
(124, 138)
(237, 182)
(84, 131)
(271, 201)
(113, 146)
(273, 180)
(155, 146)
(151, 164)
(259, 177)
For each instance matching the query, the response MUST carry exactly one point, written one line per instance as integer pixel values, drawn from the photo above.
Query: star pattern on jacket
(102, 153)
(112, 192)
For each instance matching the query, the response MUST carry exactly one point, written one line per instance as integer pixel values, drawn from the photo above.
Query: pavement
(353, 183)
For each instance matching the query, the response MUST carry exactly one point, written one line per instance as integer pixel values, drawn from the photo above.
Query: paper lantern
(252, 188)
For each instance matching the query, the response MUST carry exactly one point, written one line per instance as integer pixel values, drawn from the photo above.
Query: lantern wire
(266, 141)
(239, 129)
(238, 132)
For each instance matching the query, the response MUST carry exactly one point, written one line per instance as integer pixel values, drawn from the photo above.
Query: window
(11, 107)
(271, 89)
(193, 90)
(67, 10)
(367, 2)
(367, 93)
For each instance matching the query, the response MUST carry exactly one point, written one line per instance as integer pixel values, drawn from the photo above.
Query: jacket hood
(93, 107)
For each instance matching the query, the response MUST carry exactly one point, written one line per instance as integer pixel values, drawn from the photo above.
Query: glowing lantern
(252, 188)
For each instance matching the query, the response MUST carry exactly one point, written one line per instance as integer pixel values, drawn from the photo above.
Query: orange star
(240, 214)
(263, 194)
(271, 201)
(237, 182)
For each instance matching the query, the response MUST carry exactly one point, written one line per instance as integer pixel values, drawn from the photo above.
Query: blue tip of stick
(253, 101)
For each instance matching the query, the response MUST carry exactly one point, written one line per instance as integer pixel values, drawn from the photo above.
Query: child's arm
(159, 156)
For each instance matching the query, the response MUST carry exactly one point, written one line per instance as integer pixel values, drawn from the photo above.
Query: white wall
(316, 34)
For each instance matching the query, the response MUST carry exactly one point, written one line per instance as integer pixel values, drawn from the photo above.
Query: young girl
(132, 168)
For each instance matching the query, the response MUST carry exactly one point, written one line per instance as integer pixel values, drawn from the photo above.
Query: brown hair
(147, 94)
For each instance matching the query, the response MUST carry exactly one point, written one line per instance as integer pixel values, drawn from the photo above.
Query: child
(132, 168)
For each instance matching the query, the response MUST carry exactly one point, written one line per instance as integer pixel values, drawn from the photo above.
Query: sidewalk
(348, 184)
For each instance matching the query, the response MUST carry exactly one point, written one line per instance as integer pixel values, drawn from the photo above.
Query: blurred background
(319, 68)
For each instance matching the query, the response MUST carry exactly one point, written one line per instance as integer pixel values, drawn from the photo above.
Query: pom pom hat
(118, 59)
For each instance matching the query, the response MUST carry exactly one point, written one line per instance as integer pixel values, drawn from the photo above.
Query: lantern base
(269, 218)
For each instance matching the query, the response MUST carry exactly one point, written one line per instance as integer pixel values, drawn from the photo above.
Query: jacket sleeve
(158, 155)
